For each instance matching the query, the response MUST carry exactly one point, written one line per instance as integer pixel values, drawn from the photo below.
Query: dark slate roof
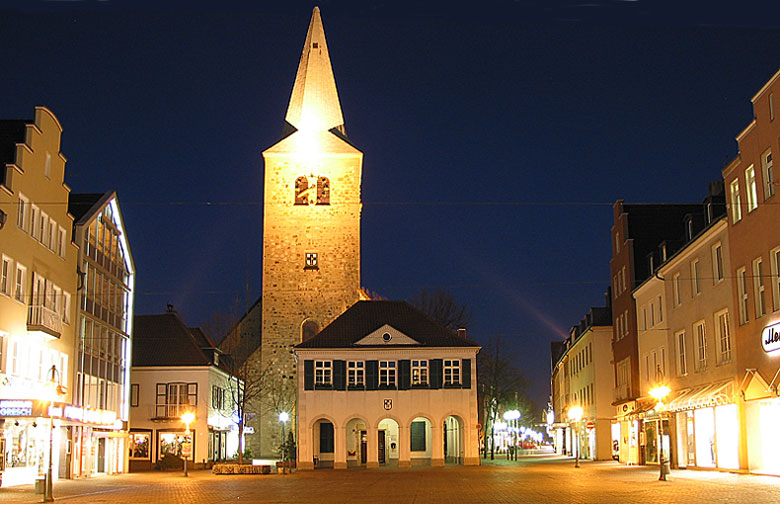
(366, 316)
(163, 339)
(79, 204)
(12, 132)
(201, 338)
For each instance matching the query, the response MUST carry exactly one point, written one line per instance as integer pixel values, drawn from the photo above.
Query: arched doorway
(387, 442)
(453, 432)
(357, 442)
(420, 441)
(323, 443)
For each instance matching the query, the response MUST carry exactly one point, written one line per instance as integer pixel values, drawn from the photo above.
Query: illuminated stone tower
(311, 221)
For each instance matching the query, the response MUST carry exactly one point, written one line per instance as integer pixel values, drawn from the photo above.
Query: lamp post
(575, 414)
(659, 393)
(511, 416)
(283, 417)
(56, 384)
(186, 451)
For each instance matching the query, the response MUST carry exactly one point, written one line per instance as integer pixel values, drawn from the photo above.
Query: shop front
(84, 441)
(632, 438)
(707, 427)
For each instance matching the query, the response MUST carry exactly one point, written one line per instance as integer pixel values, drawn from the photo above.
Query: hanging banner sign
(770, 338)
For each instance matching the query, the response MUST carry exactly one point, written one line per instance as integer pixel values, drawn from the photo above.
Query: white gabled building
(385, 385)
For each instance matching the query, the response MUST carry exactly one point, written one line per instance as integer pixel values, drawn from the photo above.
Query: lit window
(355, 373)
(736, 202)
(452, 372)
(724, 336)
(387, 373)
(759, 287)
(21, 275)
(695, 280)
(323, 372)
(5, 276)
(419, 372)
(743, 296)
(701, 345)
(301, 191)
(717, 263)
(750, 183)
(21, 216)
(769, 175)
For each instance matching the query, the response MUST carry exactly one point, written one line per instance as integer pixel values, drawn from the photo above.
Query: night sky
(497, 136)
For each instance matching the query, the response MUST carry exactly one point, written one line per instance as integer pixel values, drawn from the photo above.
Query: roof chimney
(462, 333)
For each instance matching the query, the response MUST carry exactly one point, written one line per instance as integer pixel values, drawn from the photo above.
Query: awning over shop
(642, 406)
(711, 394)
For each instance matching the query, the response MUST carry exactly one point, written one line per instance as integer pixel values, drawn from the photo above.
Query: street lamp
(575, 414)
(186, 449)
(659, 393)
(511, 416)
(56, 384)
(283, 417)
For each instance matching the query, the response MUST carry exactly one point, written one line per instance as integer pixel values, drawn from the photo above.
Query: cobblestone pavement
(547, 479)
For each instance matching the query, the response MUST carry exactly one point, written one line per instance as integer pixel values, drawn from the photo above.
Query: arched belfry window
(323, 191)
(309, 329)
(301, 191)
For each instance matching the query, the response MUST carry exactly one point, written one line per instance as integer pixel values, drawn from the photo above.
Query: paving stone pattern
(530, 480)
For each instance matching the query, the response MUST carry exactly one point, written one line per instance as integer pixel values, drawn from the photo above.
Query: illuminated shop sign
(9, 407)
(89, 415)
(770, 338)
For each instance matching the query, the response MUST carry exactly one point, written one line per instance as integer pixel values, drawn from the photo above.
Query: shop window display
(170, 443)
(140, 445)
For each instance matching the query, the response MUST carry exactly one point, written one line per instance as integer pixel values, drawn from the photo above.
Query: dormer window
(315, 45)
(688, 228)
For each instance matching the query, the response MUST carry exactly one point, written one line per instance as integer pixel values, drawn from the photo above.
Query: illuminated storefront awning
(711, 394)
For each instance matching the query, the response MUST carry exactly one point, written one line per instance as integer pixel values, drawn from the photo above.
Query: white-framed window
(750, 188)
(5, 275)
(652, 314)
(644, 318)
(682, 364)
(677, 289)
(660, 310)
(623, 278)
(51, 243)
(769, 174)
(759, 287)
(742, 295)
(774, 261)
(647, 367)
(625, 322)
(771, 107)
(452, 372)
(616, 285)
(387, 373)
(323, 372)
(43, 222)
(217, 397)
(419, 372)
(723, 336)
(19, 282)
(16, 358)
(66, 307)
(356, 372)
(736, 201)
(700, 333)
(21, 215)
(617, 243)
(61, 242)
(624, 373)
(717, 263)
(695, 279)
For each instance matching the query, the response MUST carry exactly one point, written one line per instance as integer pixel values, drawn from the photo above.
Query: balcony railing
(44, 320)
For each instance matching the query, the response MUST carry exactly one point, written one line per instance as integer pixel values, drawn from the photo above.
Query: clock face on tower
(305, 194)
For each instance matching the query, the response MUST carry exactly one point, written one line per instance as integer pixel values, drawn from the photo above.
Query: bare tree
(441, 306)
(500, 385)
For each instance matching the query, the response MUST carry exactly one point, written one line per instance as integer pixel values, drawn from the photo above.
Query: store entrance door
(101, 455)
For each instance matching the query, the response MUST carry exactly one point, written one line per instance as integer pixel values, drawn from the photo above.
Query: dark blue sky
(496, 137)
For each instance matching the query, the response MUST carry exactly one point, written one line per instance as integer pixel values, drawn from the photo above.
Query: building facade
(104, 334)
(754, 243)
(37, 311)
(385, 385)
(177, 370)
(582, 377)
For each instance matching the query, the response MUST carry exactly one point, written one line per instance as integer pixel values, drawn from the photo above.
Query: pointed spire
(314, 103)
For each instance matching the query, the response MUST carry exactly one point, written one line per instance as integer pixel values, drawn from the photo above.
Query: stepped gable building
(311, 237)
(175, 370)
(383, 384)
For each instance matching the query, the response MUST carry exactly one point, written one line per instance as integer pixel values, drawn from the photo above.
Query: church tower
(311, 222)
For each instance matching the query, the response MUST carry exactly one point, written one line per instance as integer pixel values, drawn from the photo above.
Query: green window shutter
(339, 375)
(372, 374)
(308, 374)
(417, 436)
(404, 374)
(436, 366)
(465, 373)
